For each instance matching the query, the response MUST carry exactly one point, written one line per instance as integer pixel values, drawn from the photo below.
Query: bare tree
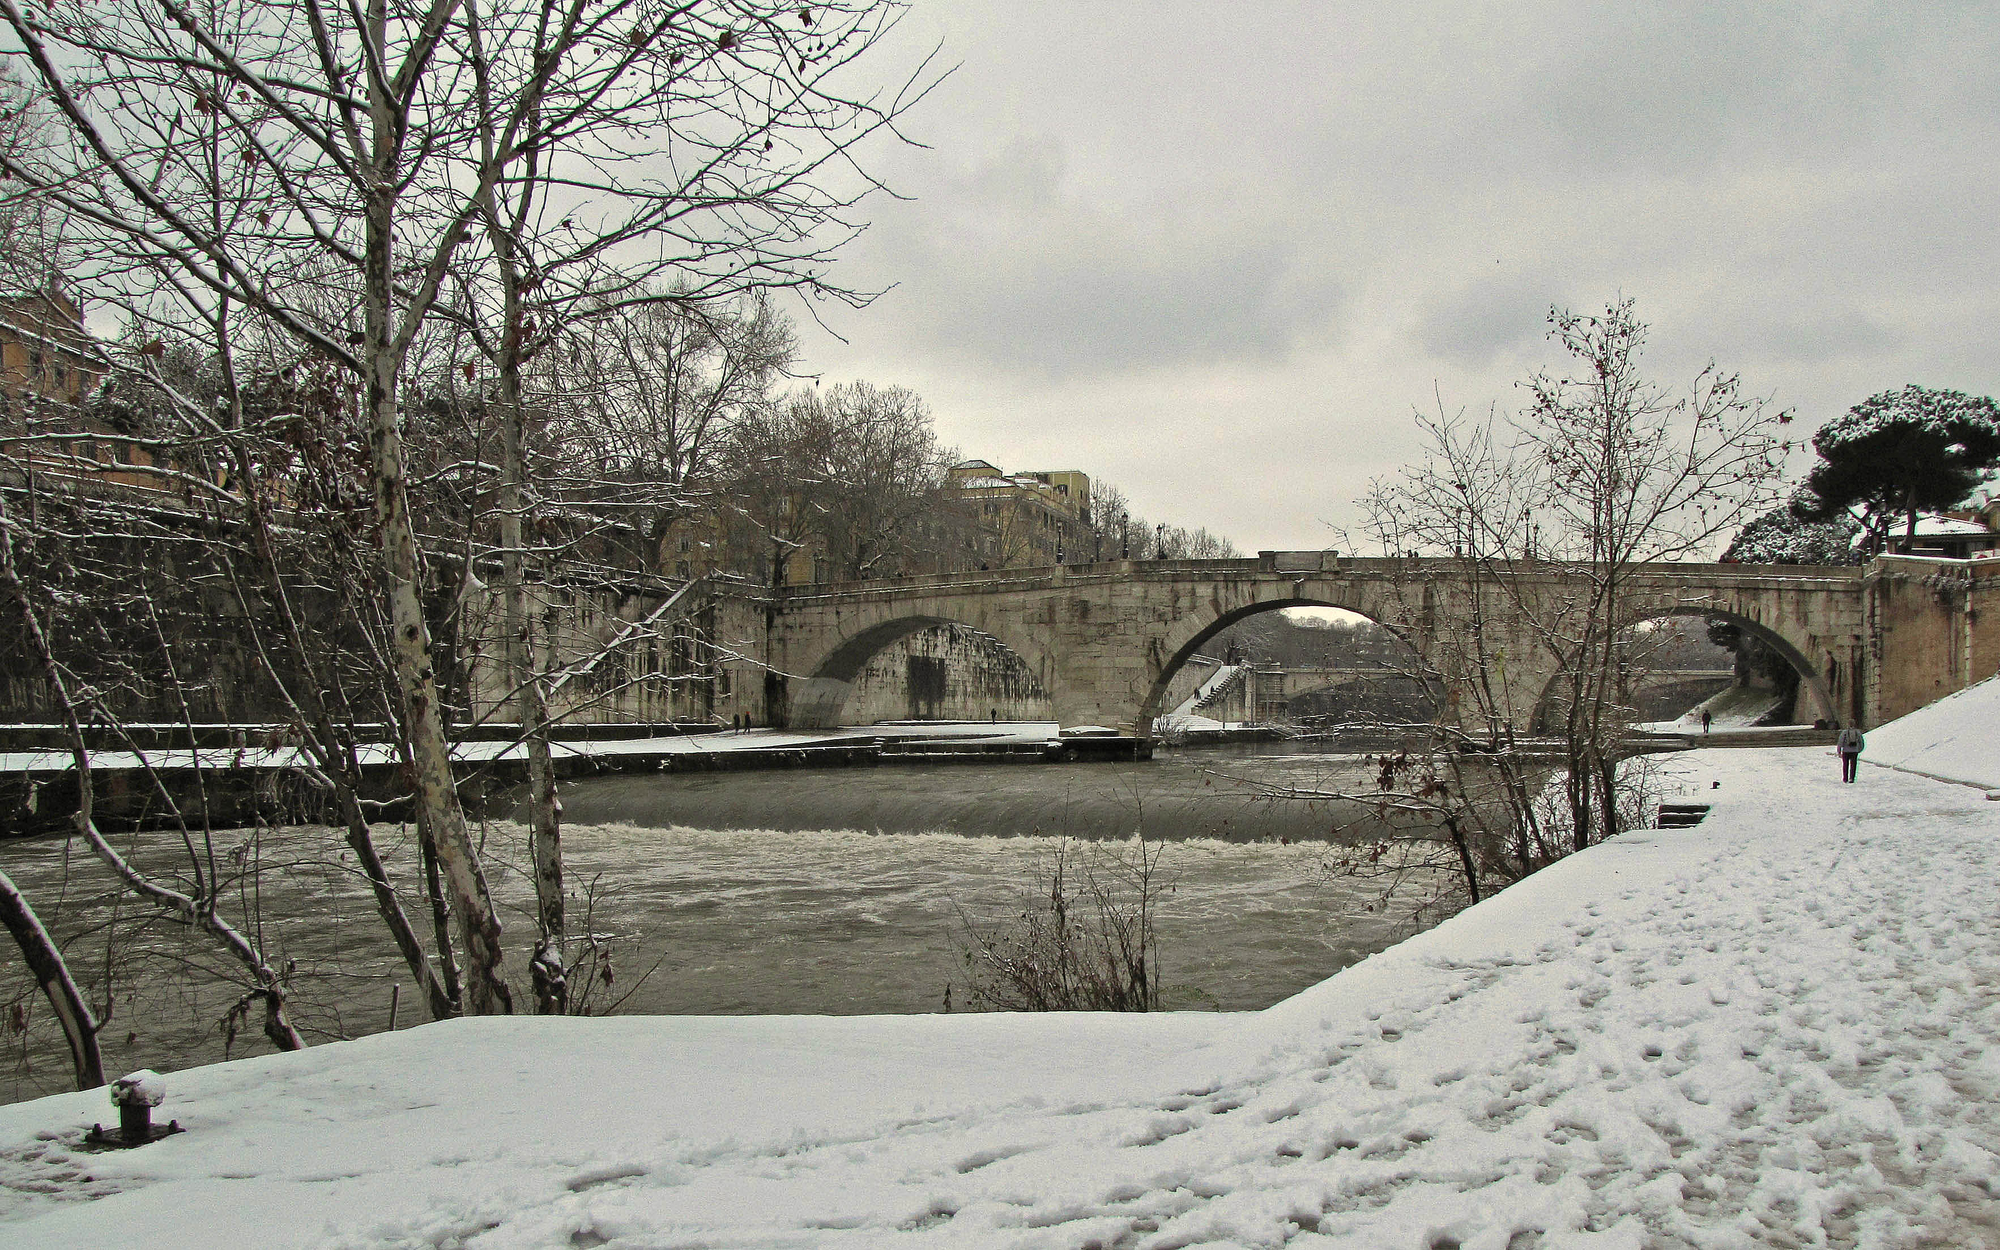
(367, 145)
(198, 908)
(1179, 543)
(602, 419)
(31, 247)
(880, 474)
(852, 473)
(1119, 533)
(1084, 940)
(653, 392)
(1603, 473)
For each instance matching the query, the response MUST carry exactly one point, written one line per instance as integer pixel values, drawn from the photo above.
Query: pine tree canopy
(1900, 453)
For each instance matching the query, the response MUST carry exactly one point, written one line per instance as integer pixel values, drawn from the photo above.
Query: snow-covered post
(135, 1095)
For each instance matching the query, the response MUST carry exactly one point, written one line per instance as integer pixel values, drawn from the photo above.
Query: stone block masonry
(1104, 640)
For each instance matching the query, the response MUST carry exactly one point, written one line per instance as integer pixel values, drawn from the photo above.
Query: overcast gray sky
(1217, 253)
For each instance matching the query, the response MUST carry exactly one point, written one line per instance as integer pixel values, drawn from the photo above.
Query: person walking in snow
(1849, 744)
(1704, 721)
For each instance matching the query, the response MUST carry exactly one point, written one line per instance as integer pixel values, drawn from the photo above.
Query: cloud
(1217, 254)
(1685, 89)
(1488, 318)
(1810, 338)
(1011, 264)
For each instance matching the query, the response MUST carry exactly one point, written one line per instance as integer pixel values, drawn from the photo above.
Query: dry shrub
(1083, 941)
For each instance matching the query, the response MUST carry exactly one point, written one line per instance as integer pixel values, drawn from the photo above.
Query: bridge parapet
(1291, 564)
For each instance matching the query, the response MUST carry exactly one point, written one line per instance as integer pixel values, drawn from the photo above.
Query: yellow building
(48, 366)
(45, 355)
(1024, 519)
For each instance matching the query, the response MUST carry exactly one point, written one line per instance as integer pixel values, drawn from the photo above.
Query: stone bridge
(1104, 639)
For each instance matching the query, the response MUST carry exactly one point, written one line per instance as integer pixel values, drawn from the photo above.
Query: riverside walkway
(1778, 1027)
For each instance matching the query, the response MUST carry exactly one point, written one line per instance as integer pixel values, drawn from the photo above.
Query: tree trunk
(45, 961)
(524, 671)
(336, 759)
(1465, 861)
(431, 778)
(531, 711)
(440, 915)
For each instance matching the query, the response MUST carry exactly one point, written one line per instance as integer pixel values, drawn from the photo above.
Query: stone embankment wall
(124, 612)
(946, 672)
(1933, 627)
(615, 661)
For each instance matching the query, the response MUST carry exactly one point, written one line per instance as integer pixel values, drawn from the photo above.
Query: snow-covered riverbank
(1780, 1027)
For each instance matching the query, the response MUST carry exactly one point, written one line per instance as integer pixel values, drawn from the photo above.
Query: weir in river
(838, 891)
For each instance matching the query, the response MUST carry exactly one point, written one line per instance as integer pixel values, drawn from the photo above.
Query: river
(815, 891)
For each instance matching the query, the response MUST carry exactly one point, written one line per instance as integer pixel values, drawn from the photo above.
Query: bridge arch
(1812, 682)
(818, 701)
(1189, 637)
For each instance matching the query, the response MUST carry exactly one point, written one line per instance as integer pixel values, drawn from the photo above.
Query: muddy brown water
(841, 892)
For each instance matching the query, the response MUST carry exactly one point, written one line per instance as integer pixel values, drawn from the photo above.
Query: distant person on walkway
(1704, 720)
(1849, 744)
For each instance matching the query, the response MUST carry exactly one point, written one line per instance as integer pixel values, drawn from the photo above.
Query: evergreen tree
(1900, 453)
(1781, 536)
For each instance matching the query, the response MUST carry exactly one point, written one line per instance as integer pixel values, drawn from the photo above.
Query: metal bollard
(135, 1095)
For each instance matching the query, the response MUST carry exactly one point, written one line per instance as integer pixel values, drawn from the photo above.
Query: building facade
(1021, 520)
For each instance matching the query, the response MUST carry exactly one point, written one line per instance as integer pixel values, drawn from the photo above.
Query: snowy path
(1779, 1028)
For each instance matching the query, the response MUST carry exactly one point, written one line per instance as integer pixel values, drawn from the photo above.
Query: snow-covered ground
(1737, 708)
(1956, 738)
(1190, 723)
(1778, 1028)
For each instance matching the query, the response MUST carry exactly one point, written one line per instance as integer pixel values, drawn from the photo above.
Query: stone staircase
(1681, 815)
